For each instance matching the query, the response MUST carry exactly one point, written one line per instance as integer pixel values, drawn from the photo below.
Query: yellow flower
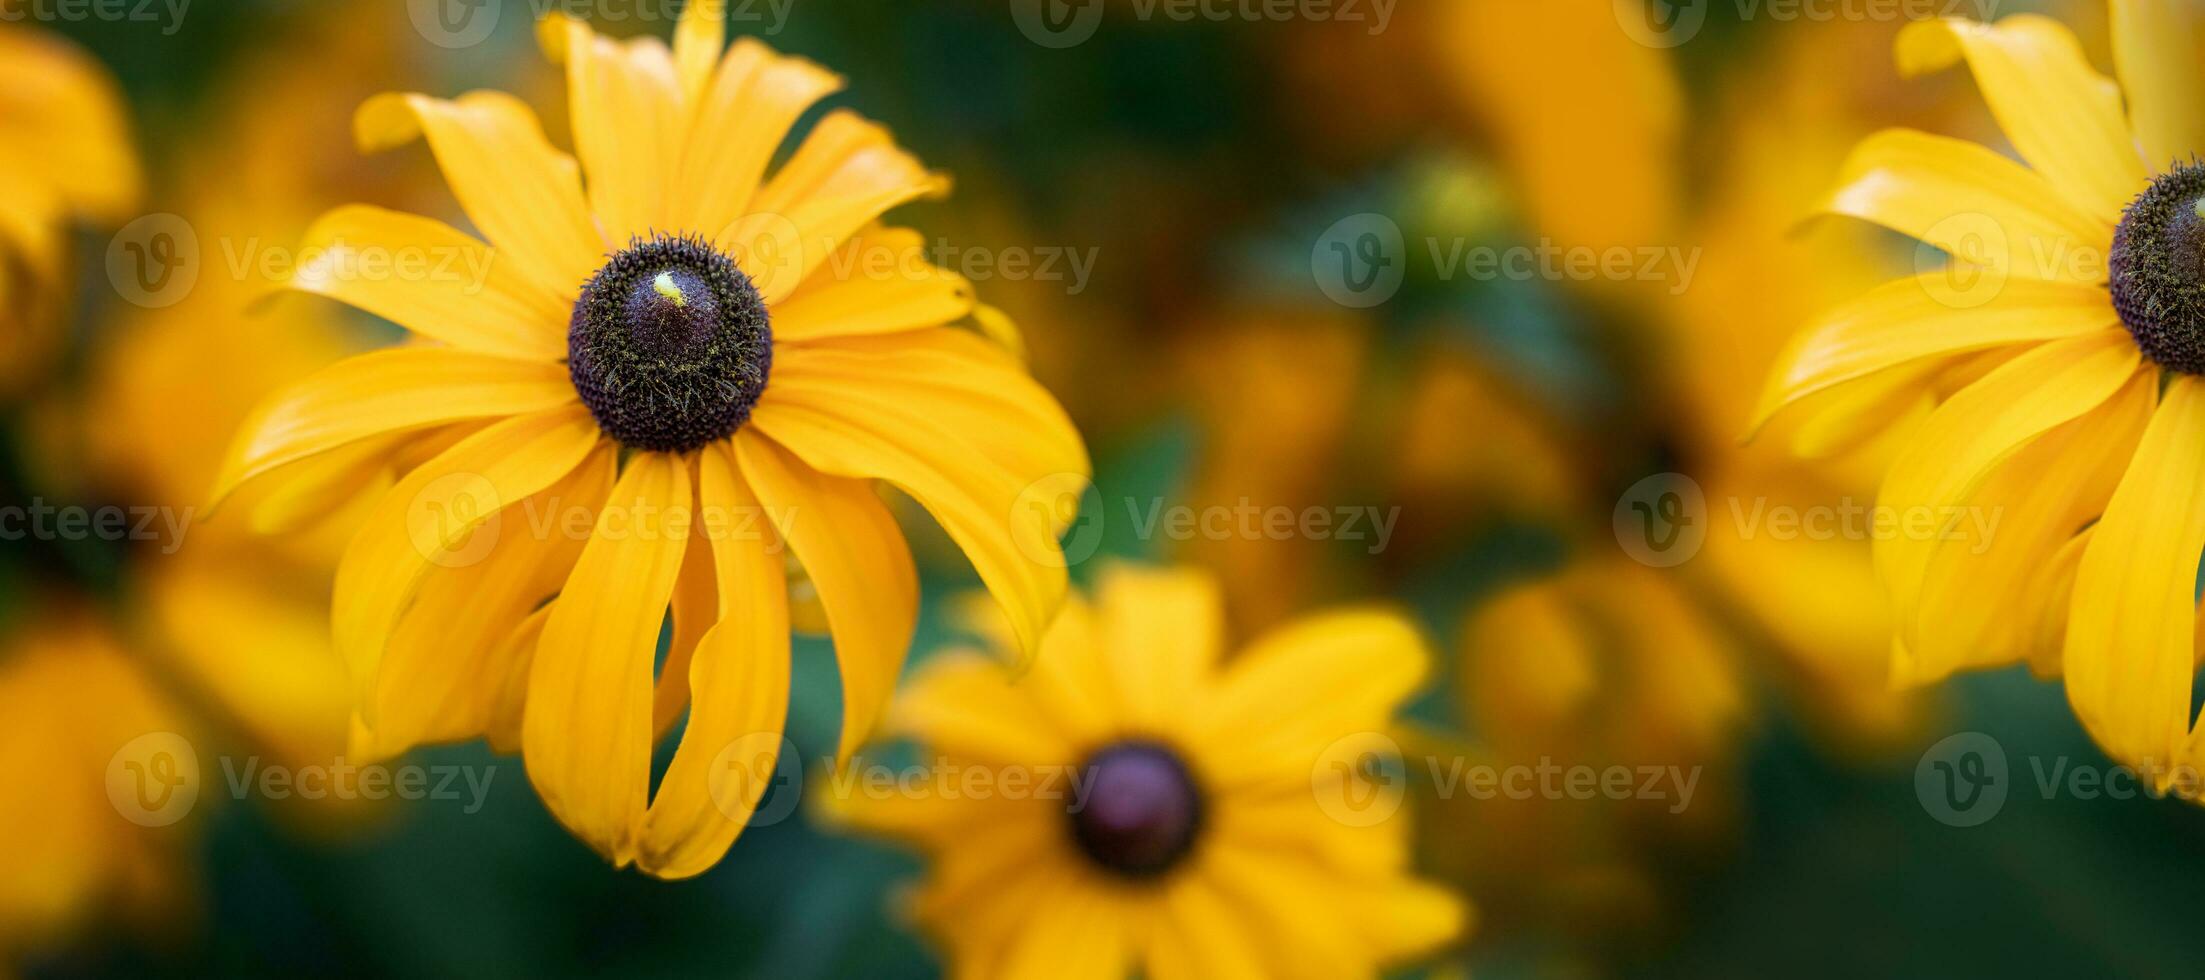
(64, 154)
(2063, 342)
(692, 364)
(1205, 820)
(87, 835)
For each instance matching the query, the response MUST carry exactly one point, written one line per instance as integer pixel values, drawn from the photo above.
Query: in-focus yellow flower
(1204, 821)
(631, 398)
(2064, 342)
(86, 816)
(64, 154)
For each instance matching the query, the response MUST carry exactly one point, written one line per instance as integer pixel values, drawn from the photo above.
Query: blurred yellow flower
(1206, 821)
(64, 154)
(589, 413)
(2063, 342)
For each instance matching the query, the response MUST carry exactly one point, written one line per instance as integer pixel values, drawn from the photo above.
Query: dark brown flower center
(670, 345)
(2157, 270)
(1138, 810)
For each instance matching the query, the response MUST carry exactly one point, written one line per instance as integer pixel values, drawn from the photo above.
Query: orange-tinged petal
(2050, 596)
(586, 735)
(388, 391)
(1974, 204)
(2064, 117)
(2132, 622)
(879, 282)
(856, 556)
(1905, 321)
(2156, 54)
(523, 195)
(67, 114)
(739, 679)
(432, 279)
(1957, 447)
(430, 517)
(755, 96)
(781, 249)
(696, 609)
(625, 101)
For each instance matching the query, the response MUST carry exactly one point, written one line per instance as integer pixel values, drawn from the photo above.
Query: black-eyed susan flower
(2061, 347)
(703, 360)
(64, 154)
(1158, 809)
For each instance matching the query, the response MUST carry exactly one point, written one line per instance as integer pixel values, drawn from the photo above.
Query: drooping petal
(856, 556)
(755, 96)
(879, 282)
(388, 391)
(739, 683)
(523, 195)
(2062, 115)
(430, 519)
(442, 673)
(1910, 319)
(696, 609)
(625, 101)
(1955, 449)
(1974, 204)
(2156, 51)
(2132, 622)
(458, 291)
(587, 732)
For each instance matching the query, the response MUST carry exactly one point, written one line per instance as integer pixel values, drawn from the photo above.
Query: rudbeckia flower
(695, 363)
(2064, 345)
(1159, 809)
(64, 154)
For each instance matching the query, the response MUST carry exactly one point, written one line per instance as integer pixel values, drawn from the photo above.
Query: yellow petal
(1201, 936)
(432, 279)
(780, 249)
(964, 705)
(1070, 678)
(587, 732)
(2155, 53)
(880, 282)
(522, 194)
(696, 610)
(2064, 117)
(1084, 933)
(755, 96)
(856, 556)
(388, 391)
(2133, 620)
(1304, 685)
(430, 518)
(2051, 594)
(1974, 204)
(1982, 571)
(698, 39)
(64, 110)
(518, 652)
(739, 681)
(908, 432)
(625, 103)
(1163, 632)
(1910, 319)
(442, 676)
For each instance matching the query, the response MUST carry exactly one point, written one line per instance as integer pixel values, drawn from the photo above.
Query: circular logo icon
(1962, 780)
(1360, 261)
(1359, 780)
(769, 248)
(454, 521)
(1661, 23)
(1057, 24)
(453, 23)
(153, 780)
(1975, 268)
(1662, 520)
(1068, 505)
(757, 778)
(154, 261)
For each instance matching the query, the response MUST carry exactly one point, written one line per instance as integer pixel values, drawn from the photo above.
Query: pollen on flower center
(2158, 270)
(1141, 810)
(670, 345)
